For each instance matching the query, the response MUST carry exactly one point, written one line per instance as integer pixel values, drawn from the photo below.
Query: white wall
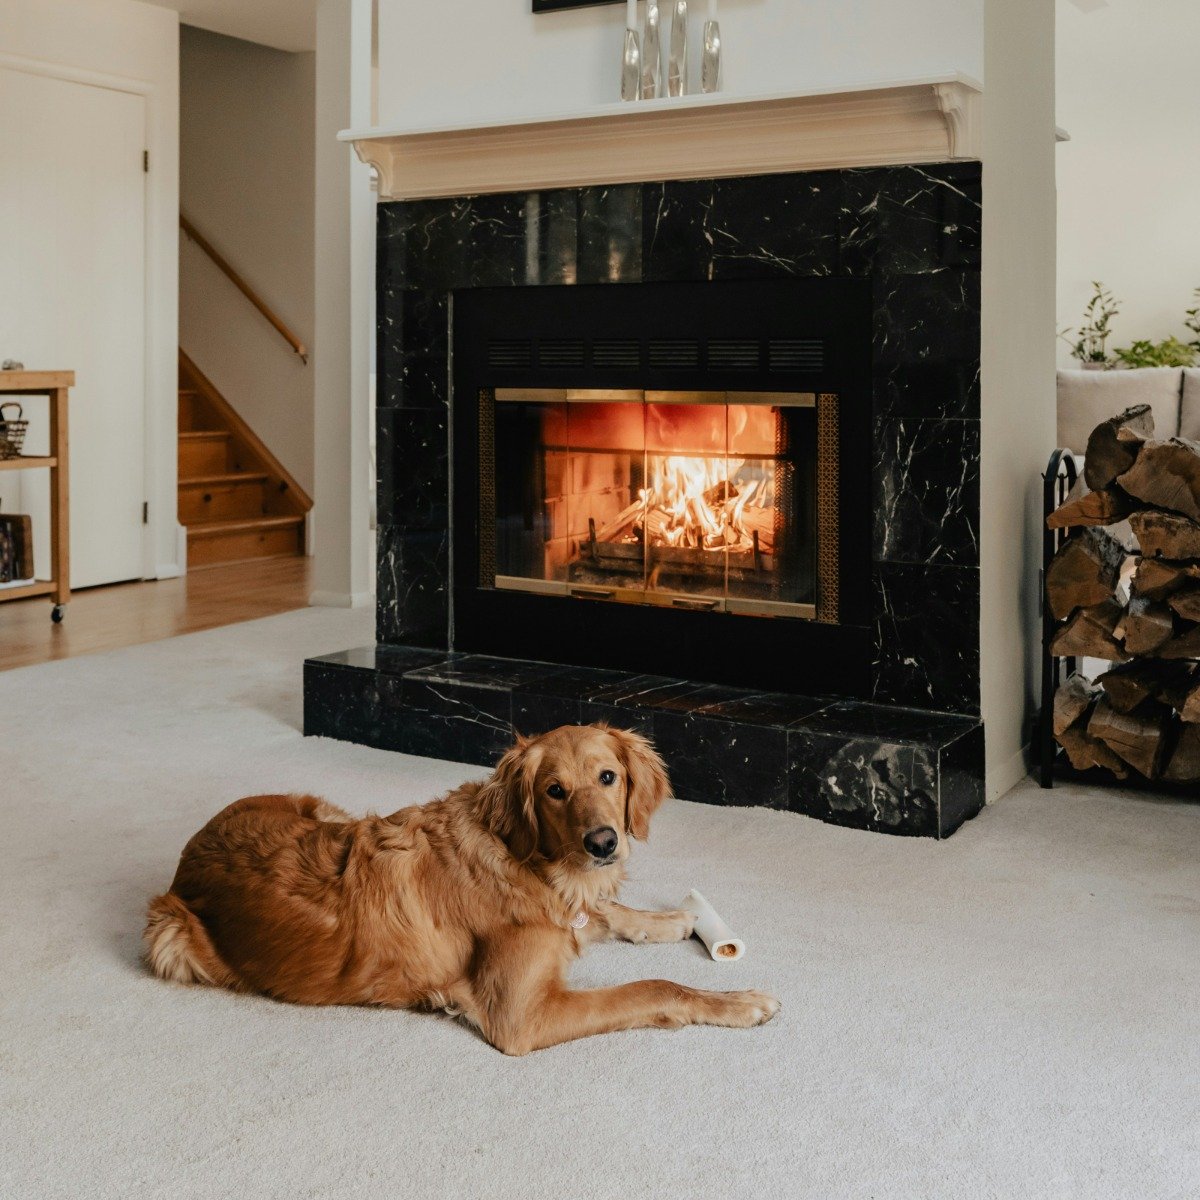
(345, 269)
(1129, 178)
(246, 181)
(136, 42)
(461, 60)
(1018, 422)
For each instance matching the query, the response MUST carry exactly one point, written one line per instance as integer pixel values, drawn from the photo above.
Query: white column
(1018, 407)
(345, 239)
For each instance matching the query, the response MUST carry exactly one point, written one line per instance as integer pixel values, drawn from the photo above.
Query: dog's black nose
(600, 843)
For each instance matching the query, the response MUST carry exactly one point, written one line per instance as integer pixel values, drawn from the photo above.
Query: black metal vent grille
(783, 355)
(796, 354)
(725, 354)
(674, 355)
(562, 353)
(510, 355)
(617, 355)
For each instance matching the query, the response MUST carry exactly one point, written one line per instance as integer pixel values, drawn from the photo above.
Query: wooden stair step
(223, 479)
(229, 496)
(239, 539)
(204, 452)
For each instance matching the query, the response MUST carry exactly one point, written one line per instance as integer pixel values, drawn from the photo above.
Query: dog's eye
(556, 791)
(608, 778)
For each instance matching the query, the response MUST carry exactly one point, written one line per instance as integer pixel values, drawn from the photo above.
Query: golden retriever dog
(476, 903)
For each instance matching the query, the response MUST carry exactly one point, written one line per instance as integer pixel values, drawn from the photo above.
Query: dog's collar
(580, 919)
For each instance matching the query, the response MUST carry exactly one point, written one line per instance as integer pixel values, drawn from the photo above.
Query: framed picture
(540, 6)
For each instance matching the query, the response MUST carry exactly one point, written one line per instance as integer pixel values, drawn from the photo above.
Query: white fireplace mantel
(696, 137)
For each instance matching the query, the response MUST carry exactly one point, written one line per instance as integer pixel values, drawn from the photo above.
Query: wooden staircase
(236, 499)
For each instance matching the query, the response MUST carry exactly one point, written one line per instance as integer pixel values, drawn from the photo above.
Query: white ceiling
(284, 24)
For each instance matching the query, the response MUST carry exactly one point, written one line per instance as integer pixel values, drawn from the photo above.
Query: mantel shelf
(697, 137)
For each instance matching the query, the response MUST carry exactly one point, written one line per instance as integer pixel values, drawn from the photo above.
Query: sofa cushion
(1189, 409)
(1085, 398)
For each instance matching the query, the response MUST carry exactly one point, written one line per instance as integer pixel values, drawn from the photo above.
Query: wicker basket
(12, 432)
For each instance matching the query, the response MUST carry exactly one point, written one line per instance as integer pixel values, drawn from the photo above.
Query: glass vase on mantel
(642, 76)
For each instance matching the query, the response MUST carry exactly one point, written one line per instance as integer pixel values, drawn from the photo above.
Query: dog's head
(576, 795)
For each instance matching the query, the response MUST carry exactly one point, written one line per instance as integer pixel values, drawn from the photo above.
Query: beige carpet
(1014, 1013)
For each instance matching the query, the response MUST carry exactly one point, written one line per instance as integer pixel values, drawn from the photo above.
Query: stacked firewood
(1125, 588)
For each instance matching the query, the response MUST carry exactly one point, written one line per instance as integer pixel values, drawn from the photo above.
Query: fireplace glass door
(698, 500)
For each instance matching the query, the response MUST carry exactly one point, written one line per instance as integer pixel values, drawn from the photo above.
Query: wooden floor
(126, 614)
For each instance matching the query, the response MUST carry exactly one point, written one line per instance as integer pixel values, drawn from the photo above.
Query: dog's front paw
(743, 1010)
(677, 926)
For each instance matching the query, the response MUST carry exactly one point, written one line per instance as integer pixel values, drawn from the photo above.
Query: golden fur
(465, 903)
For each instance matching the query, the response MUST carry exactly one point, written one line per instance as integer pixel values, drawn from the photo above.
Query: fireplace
(670, 456)
(705, 501)
(577, 387)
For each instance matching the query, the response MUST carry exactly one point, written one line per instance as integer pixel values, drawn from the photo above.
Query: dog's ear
(647, 786)
(507, 801)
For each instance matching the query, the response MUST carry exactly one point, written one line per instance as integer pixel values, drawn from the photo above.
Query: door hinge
(146, 161)
(145, 512)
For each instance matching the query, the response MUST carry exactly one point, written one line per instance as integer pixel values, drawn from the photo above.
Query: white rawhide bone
(711, 930)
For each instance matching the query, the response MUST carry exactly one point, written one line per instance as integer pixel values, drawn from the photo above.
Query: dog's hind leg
(178, 947)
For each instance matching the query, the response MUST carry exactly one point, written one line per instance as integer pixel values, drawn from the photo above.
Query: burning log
(1167, 475)
(1084, 572)
(1163, 534)
(1114, 444)
(1139, 737)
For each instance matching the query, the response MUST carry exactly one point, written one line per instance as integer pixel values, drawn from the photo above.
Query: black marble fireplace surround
(903, 753)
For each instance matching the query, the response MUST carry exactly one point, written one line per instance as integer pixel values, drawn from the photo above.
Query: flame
(700, 503)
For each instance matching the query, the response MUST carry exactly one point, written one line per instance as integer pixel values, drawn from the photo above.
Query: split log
(1085, 752)
(1134, 683)
(1095, 508)
(1156, 578)
(1089, 634)
(1184, 764)
(1186, 645)
(1189, 708)
(1146, 625)
(1114, 444)
(1163, 534)
(1167, 475)
(1186, 603)
(1072, 700)
(1139, 737)
(1083, 572)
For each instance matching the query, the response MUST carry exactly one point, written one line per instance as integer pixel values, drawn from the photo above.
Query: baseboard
(341, 599)
(1002, 779)
(178, 568)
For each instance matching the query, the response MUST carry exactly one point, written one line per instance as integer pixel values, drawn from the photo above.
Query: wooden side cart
(56, 386)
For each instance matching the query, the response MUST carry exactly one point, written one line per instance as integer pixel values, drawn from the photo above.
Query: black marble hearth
(866, 766)
(904, 753)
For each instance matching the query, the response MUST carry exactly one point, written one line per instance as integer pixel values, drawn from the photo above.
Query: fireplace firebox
(666, 478)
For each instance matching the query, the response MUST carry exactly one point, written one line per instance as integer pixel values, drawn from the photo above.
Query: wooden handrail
(242, 286)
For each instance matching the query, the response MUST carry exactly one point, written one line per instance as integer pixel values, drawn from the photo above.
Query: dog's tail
(178, 947)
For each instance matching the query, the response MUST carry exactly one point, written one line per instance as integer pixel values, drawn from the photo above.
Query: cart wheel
(57, 613)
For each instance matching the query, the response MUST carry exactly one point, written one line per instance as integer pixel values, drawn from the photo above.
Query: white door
(72, 297)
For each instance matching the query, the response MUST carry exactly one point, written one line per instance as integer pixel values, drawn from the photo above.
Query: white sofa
(1085, 398)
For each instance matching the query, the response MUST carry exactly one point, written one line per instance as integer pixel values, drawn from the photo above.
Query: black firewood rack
(1062, 471)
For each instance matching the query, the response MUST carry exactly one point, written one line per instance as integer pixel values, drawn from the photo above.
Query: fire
(700, 503)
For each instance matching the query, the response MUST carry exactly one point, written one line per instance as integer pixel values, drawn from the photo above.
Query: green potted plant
(1091, 343)
(1170, 352)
